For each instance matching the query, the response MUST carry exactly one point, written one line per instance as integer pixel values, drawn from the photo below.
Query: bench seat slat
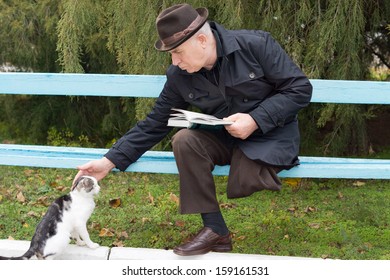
(163, 162)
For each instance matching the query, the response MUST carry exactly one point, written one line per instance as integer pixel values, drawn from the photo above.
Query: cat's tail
(26, 256)
(10, 258)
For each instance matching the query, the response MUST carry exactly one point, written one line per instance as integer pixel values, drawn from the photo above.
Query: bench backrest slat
(325, 91)
(81, 84)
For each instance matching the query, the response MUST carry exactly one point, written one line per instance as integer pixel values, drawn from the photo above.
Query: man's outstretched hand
(96, 168)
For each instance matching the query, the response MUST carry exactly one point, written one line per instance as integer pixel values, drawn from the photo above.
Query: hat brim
(160, 46)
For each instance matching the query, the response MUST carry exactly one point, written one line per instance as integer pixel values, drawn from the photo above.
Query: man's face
(189, 56)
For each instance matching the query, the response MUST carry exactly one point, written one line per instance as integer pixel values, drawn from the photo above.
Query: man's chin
(190, 71)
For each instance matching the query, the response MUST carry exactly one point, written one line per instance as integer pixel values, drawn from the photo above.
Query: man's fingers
(232, 118)
(84, 169)
(85, 166)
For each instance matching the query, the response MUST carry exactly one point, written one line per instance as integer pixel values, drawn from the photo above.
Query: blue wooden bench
(325, 91)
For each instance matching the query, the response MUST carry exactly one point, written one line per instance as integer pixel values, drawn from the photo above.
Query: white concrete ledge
(126, 253)
(16, 248)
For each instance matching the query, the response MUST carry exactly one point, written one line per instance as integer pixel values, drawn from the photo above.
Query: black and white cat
(65, 218)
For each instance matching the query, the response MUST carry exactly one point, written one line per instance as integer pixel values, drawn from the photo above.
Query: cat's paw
(80, 243)
(93, 245)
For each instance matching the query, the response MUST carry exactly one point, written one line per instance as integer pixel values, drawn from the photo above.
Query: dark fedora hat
(177, 24)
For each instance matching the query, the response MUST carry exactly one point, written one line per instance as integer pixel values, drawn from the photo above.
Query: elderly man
(241, 75)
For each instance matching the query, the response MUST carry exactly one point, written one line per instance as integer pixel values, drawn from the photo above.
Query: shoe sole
(216, 248)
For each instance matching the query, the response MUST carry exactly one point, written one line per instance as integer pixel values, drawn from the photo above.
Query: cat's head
(86, 184)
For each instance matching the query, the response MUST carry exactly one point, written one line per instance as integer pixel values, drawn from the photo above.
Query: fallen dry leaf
(53, 184)
(130, 191)
(115, 202)
(32, 214)
(61, 188)
(174, 198)
(165, 224)
(292, 182)
(20, 197)
(118, 244)
(228, 205)
(151, 198)
(310, 209)
(180, 223)
(358, 184)
(315, 225)
(44, 200)
(270, 251)
(94, 225)
(242, 237)
(292, 209)
(28, 172)
(145, 220)
(105, 232)
(369, 245)
(123, 235)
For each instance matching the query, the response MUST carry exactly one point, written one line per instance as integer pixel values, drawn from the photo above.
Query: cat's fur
(65, 218)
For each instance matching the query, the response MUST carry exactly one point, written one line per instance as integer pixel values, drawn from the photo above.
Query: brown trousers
(197, 152)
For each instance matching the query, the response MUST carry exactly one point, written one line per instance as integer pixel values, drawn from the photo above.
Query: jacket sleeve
(292, 88)
(148, 132)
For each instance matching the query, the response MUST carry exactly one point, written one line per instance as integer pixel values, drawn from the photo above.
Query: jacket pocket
(245, 75)
(193, 95)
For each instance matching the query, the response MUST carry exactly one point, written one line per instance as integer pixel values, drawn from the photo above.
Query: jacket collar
(229, 43)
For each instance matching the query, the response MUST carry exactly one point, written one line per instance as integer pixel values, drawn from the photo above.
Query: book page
(195, 117)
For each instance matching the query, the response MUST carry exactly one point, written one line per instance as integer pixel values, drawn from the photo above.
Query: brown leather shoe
(205, 241)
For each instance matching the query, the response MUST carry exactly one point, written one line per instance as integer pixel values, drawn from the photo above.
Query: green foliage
(81, 38)
(77, 16)
(349, 134)
(99, 119)
(28, 35)
(329, 39)
(66, 138)
(131, 36)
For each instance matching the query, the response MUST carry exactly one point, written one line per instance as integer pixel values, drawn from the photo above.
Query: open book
(189, 119)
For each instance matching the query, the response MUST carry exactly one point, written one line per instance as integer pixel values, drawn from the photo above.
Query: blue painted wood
(352, 92)
(81, 84)
(325, 91)
(163, 162)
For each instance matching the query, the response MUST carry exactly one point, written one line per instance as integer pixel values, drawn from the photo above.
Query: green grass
(342, 219)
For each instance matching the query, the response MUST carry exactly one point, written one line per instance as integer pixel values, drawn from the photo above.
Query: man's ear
(202, 38)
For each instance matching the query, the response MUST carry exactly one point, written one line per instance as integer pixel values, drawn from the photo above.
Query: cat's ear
(85, 183)
(76, 183)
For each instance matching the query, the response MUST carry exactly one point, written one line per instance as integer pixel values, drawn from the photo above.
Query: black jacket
(256, 76)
